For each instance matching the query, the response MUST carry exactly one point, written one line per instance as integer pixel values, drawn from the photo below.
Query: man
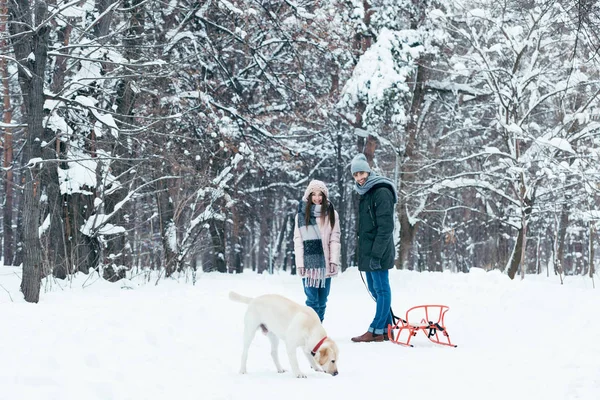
(375, 248)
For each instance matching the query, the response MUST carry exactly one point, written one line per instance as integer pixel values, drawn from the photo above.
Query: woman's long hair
(326, 210)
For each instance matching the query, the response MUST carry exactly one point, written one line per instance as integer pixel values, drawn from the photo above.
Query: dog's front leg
(291, 350)
(312, 361)
(275, 352)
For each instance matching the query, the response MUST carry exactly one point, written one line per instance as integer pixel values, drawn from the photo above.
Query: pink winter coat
(330, 237)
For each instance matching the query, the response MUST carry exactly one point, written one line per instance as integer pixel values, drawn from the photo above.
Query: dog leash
(395, 318)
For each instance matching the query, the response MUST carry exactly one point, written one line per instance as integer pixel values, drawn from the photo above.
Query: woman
(317, 245)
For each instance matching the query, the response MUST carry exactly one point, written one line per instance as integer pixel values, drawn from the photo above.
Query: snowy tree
(512, 55)
(390, 93)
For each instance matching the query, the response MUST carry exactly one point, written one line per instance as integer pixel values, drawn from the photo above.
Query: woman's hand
(301, 271)
(332, 268)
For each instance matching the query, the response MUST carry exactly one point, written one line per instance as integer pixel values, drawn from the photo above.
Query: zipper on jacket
(358, 225)
(371, 214)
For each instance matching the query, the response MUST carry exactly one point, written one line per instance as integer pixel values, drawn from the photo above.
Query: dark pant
(379, 286)
(316, 298)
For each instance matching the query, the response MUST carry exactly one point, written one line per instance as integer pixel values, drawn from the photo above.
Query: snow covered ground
(90, 339)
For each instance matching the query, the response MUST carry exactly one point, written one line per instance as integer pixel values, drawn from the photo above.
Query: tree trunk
(523, 250)
(279, 253)
(408, 230)
(168, 228)
(58, 234)
(342, 204)
(518, 255)
(591, 271)
(85, 250)
(515, 260)
(290, 254)
(32, 254)
(263, 240)
(217, 235)
(7, 210)
(252, 255)
(436, 249)
(32, 85)
(125, 102)
(560, 240)
(19, 199)
(238, 239)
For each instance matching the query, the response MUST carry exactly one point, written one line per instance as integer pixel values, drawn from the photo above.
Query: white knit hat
(315, 186)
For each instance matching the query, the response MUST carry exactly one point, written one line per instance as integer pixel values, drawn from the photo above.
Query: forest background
(179, 135)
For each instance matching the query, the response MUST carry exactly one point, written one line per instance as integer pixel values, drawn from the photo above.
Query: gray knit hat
(359, 164)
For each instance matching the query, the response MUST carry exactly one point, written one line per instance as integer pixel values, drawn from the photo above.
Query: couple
(317, 243)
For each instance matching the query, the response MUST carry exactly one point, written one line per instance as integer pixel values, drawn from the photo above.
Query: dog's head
(327, 357)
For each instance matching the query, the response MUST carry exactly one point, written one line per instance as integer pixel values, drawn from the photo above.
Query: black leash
(395, 318)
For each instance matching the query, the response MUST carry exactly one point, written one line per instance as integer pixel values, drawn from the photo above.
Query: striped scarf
(314, 257)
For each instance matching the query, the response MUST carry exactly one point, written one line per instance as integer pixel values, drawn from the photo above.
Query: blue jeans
(316, 298)
(379, 286)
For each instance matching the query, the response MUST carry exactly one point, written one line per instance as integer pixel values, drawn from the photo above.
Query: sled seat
(430, 321)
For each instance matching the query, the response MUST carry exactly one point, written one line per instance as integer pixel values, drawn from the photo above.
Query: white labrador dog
(298, 326)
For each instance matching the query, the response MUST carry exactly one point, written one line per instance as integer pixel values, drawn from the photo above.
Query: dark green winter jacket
(376, 229)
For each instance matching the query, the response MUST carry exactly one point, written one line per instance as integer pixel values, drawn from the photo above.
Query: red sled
(431, 323)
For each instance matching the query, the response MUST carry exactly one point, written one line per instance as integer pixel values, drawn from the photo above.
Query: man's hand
(375, 264)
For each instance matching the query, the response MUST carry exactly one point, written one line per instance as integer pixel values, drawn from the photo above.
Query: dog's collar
(316, 348)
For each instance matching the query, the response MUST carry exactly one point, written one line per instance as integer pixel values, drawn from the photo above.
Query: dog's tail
(239, 298)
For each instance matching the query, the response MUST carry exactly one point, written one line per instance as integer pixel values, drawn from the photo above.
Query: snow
(376, 71)
(90, 339)
(361, 132)
(224, 4)
(80, 176)
(44, 226)
(107, 120)
(559, 143)
(57, 123)
(76, 11)
(97, 224)
(175, 37)
(88, 71)
(33, 162)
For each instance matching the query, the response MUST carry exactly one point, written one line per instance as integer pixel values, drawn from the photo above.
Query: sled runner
(431, 323)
